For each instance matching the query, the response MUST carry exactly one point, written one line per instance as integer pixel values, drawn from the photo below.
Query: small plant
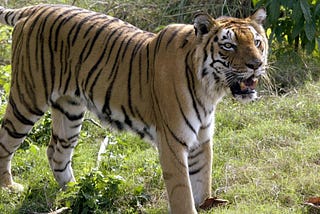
(93, 192)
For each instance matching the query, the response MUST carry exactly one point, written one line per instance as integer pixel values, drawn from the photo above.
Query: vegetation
(296, 22)
(266, 153)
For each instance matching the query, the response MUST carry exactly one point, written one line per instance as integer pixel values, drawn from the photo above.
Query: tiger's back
(78, 53)
(164, 87)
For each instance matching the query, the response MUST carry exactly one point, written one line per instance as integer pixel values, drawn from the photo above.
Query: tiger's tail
(8, 16)
(12, 16)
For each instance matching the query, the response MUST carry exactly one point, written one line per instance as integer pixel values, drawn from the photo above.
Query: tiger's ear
(203, 23)
(259, 16)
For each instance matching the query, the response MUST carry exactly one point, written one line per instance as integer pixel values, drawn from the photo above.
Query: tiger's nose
(254, 64)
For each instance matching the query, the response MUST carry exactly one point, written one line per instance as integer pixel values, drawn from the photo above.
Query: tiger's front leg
(174, 163)
(200, 170)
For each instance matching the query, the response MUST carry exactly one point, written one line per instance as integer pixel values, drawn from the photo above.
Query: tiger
(163, 86)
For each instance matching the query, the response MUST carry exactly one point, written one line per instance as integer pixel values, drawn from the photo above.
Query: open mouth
(244, 87)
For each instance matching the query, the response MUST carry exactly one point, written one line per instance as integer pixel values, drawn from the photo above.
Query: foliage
(289, 70)
(5, 44)
(294, 21)
(95, 192)
(146, 14)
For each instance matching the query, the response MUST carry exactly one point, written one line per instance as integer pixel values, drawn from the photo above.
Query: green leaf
(310, 29)
(297, 14)
(310, 45)
(297, 28)
(305, 7)
(34, 149)
(317, 10)
(274, 11)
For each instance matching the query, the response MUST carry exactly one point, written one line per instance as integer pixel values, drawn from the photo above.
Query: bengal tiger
(164, 87)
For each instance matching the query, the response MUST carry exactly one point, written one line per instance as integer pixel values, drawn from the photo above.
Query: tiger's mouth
(244, 87)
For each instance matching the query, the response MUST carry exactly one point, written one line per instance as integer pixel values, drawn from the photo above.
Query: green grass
(266, 160)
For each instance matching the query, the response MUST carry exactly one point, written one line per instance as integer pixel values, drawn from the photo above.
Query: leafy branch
(294, 21)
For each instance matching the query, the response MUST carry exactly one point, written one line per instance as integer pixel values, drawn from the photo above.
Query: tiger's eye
(228, 46)
(257, 42)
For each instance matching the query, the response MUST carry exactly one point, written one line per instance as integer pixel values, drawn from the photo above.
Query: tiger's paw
(213, 202)
(14, 187)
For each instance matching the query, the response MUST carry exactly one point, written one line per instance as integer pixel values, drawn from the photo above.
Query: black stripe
(80, 61)
(205, 142)
(118, 125)
(94, 83)
(183, 115)
(102, 56)
(140, 73)
(190, 165)
(205, 56)
(146, 129)
(73, 136)
(11, 130)
(62, 170)
(196, 171)
(133, 54)
(148, 62)
(114, 73)
(174, 153)
(76, 126)
(197, 153)
(42, 55)
(82, 22)
(216, 77)
(65, 19)
(31, 29)
(71, 117)
(18, 115)
(173, 35)
(6, 150)
(158, 41)
(128, 43)
(61, 55)
(114, 42)
(185, 41)
(197, 101)
(66, 144)
(67, 82)
(62, 20)
(7, 16)
(205, 126)
(204, 72)
(190, 81)
(97, 34)
(225, 64)
(176, 137)
(126, 117)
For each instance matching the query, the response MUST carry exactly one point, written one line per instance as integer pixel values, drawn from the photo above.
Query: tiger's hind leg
(67, 117)
(17, 122)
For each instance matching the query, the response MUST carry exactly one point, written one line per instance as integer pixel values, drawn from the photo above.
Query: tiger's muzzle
(245, 89)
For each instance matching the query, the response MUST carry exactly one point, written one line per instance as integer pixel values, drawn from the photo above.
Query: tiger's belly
(120, 120)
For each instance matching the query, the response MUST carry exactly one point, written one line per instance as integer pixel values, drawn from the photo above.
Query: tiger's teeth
(255, 82)
(243, 86)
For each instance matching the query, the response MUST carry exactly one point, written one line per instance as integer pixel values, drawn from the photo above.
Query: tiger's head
(235, 53)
